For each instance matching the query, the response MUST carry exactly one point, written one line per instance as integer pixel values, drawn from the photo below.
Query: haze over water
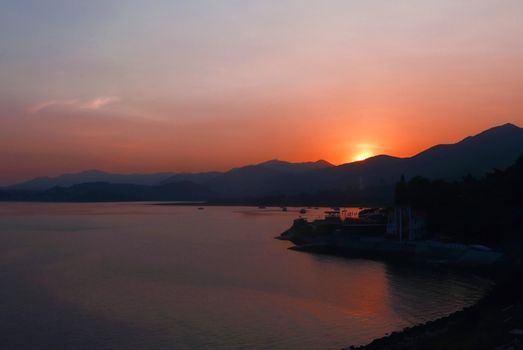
(137, 276)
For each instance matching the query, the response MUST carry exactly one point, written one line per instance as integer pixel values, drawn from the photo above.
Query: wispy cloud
(94, 104)
(100, 102)
(52, 103)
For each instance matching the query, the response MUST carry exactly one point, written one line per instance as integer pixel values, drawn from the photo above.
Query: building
(406, 224)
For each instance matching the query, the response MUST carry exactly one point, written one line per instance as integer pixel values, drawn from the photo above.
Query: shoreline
(494, 322)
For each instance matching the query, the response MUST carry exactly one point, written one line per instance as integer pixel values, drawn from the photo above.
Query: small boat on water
(283, 208)
(303, 211)
(262, 207)
(201, 208)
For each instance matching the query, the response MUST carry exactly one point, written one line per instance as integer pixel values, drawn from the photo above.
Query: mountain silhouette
(267, 178)
(495, 148)
(289, 167)
(66, 180)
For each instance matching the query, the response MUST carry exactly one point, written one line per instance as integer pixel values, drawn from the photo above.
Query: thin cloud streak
(100, 102)
(52, 103)
(94, 104)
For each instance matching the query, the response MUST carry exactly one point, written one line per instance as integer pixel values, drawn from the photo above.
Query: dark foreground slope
(488, 210)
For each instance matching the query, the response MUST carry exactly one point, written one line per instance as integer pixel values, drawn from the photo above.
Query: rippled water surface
(139, 276)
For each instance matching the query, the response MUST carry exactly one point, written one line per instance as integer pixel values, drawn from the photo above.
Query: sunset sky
(166, 85)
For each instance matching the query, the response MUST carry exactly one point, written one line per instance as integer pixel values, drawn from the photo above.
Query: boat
(303, 211)
(283, 208)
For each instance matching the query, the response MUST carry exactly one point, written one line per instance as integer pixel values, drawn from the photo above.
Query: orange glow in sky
(183, 86)
(362, 156)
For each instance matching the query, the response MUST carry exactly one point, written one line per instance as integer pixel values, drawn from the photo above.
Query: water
(137, 276)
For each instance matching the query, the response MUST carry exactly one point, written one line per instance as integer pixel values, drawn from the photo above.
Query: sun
(362, 156)
(362, 151)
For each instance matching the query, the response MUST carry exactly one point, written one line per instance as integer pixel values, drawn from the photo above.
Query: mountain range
(495, 148)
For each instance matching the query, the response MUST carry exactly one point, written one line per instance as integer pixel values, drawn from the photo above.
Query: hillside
(495, 148)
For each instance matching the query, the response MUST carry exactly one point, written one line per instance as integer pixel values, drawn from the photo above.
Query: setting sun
(362, 156)
(160, 158)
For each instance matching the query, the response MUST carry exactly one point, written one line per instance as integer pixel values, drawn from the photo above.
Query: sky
(167, 85)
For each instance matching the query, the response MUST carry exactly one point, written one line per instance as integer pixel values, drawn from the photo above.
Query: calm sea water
(137, 276)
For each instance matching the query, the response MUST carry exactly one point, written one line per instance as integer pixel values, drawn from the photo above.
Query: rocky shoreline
(495, 322)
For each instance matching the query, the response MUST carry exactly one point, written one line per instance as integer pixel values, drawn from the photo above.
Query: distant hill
(288, 167)
(66, 180)
(199, 178)
(495, 148)
(104, 192)
(266, 178)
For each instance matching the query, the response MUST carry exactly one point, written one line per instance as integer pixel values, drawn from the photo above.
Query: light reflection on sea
(138, 276)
